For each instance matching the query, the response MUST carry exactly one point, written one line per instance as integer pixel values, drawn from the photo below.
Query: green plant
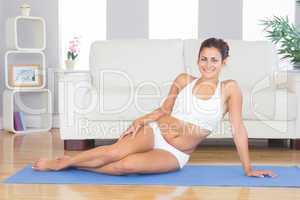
(280, 31)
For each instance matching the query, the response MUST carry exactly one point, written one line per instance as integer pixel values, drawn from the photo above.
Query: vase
(25, 9)
(70, 64)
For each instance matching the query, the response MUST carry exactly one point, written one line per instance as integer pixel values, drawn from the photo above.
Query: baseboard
(228, 142)
(55, 121)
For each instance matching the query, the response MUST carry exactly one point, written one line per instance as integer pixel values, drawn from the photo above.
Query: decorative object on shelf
(19, 121)
(280, 31)
(25, 9)
(73, 53)
(24, 75)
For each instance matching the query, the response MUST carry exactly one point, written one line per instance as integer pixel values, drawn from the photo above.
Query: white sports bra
(204, 113)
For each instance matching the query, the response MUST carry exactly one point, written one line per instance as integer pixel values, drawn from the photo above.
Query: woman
(163, 140)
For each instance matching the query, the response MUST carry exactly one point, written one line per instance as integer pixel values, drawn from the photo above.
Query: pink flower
(73, 50)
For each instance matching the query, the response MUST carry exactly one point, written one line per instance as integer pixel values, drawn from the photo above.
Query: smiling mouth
(209, 70)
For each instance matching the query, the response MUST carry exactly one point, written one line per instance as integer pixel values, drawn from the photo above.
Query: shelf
(13, 58)
(30, 130)
(25, 75)
(26, 33)
(36, 106)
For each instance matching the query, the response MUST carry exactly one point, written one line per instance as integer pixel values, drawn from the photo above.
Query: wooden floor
(19, 150)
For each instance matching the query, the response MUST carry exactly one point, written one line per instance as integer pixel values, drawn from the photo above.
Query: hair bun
(220, 44)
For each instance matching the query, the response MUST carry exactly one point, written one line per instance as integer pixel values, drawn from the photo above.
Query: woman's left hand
(261, 173)
(133, 129)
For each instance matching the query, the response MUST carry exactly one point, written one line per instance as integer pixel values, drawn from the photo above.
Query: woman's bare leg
(88, 164)
(154, 161)
(99, 156)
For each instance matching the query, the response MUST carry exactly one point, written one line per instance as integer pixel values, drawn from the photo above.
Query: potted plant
(280, 31)
(73, 52)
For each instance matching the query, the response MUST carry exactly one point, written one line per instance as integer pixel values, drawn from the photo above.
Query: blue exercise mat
(190, 175)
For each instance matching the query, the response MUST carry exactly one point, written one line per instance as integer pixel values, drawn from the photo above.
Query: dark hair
(219, 44)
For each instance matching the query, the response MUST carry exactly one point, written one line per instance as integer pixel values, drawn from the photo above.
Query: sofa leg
(295, 144)
(76, 145)
(276, 143)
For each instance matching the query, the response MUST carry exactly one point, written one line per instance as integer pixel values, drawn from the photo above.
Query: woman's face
(210, 62)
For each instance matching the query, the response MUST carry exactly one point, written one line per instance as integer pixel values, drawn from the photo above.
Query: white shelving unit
(26, 40)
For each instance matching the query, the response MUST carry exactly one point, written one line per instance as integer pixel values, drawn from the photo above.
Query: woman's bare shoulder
(183, 79)
(231, 87)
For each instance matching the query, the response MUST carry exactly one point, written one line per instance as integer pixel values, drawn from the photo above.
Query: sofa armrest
(280, 79)
(77, 97)
(293, 79)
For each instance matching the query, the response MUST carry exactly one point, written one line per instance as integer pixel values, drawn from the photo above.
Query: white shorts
(161, 143)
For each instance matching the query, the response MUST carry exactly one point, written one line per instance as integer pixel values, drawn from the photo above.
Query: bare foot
(45, 164)
(63, 158)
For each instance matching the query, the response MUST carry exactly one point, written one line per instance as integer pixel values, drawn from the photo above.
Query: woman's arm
(145, 119)
(240, 135)
(166, 107)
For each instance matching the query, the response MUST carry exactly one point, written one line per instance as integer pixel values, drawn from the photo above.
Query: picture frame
(24, 75)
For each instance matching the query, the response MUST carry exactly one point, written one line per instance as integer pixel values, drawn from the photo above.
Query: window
(86, 19)
(255, 10)
(173, 19)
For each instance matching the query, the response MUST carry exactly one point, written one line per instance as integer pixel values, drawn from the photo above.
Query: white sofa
(129, 78)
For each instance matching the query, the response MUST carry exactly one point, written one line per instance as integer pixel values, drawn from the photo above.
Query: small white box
(26, 33)
(28, 58)
(36, 106)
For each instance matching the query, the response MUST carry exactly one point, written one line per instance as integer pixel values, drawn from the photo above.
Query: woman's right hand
(132, 129)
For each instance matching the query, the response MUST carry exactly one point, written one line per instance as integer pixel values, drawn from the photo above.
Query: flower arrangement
(73, 50)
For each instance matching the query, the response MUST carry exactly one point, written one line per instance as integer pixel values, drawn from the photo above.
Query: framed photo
(24, 75)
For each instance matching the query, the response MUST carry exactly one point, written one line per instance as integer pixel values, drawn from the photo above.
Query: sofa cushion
(249, 61)
(124, 103)
(136, 61)
(269, 105)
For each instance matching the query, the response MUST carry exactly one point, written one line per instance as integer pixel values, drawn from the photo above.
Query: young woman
(163, 140)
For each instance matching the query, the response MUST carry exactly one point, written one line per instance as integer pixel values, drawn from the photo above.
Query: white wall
(297, 15)
(1, 55)
(127, 19)
(219, 18)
